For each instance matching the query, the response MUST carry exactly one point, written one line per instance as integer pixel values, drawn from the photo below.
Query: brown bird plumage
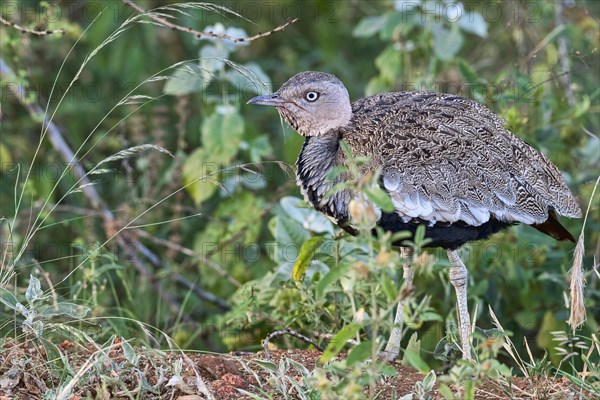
(447, 162)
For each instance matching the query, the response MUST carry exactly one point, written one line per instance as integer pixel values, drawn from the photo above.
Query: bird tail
(552, 227)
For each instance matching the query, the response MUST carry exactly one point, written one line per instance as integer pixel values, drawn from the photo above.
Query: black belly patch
(447, 236)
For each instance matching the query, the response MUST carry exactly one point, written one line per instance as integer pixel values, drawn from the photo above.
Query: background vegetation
(206, 224)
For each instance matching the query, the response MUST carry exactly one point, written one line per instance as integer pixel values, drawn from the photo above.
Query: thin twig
(202, 294)
(284, 332)
(202, 34)
(544, 42)
(22, 29)
(53, 294)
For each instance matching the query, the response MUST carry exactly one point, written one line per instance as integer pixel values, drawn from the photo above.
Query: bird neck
(318, 156)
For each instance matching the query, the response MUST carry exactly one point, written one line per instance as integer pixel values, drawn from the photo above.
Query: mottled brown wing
(446, 158)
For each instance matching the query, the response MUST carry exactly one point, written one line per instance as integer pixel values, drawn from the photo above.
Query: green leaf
(307, 252)
(419, 234)
(389, 63)
(388, 370)
(5, 155)
(346, 148)
(429, 381)
(309, 218)
(221, 136)
(34, 290)
(430, 316)
(211, 60)
(414, 346)
(222, 132)
(260, 148)
(504, 370)
(129, 352)
(339, 341)
(544, 338)
(368, 26)
(446, 392)
(298, 367)
(335, 172)
(71, 310)
(268, 365)
(108, 267)
(359, 353)
(249, 78)
(468, 72)
(581, 107)
(186, 79)
(416, 361)
(469, 389)
(8, 299)
(397, 24)
(233, 221)
(446, 43)
(54, 355)
(288, 232)
(473, 22)
(388, 288)
(380, 198)
(252, 181)
(201, 173)
(333, 275)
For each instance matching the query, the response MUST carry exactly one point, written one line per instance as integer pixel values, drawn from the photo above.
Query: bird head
(313, 103)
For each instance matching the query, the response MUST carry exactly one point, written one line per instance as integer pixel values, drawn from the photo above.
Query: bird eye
(311, 96)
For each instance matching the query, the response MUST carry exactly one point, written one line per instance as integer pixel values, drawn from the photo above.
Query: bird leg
(458, 278)
(392, 349)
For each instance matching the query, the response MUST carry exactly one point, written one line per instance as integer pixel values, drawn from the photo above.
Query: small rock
(235, 380)
(223, 390)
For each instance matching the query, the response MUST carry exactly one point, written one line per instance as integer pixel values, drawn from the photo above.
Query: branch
(563, 54)
(27, 30)
(284, 332)
(202, 34)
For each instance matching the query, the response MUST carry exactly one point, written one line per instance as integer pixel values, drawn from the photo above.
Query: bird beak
(267, 100)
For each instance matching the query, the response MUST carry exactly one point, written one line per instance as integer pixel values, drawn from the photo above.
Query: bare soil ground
(25, 374)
